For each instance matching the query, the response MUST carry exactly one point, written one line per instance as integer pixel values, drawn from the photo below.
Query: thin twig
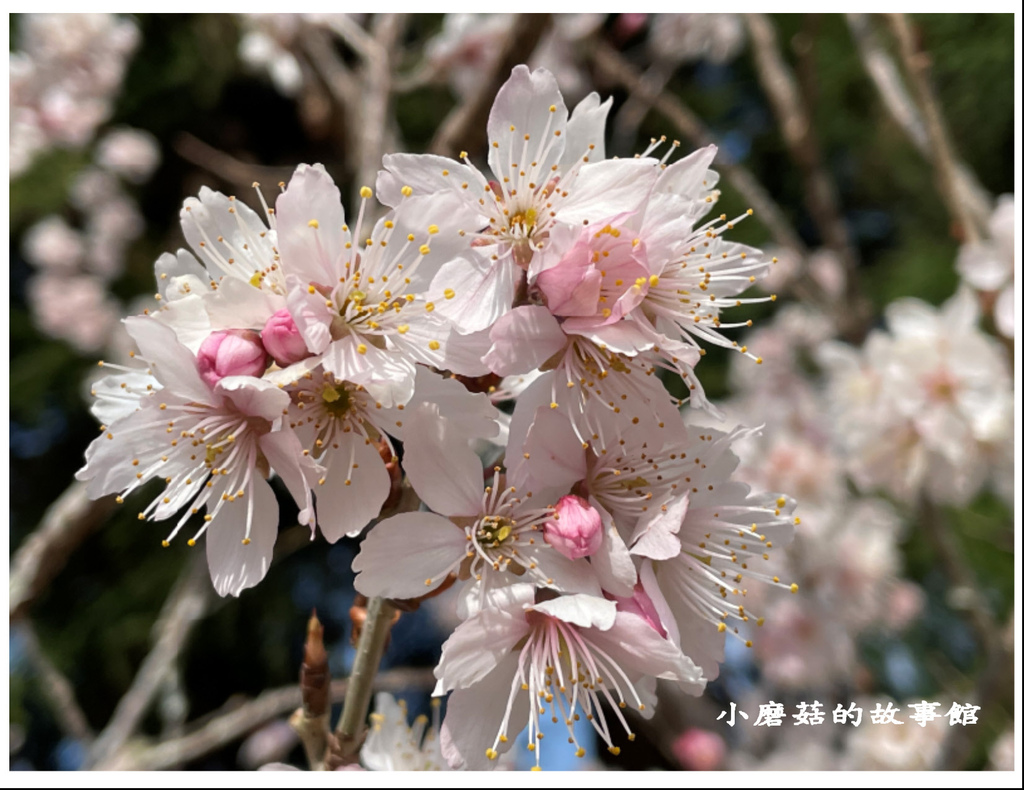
(780, 85)
(190, 600)
(917, 64)
(234, 721)
(372, 641)
(465, 128)
(226, 167)
(901, 108)
(186, 605)
(637, 105)
(997, 674)
(56, 688)
(43, 554)
(376, 93)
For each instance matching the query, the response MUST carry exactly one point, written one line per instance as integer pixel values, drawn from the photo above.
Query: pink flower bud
(234, 352)
(699, 750)
(282, 340)
(575, 530)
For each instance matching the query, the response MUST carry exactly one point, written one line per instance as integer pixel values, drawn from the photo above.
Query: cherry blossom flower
(393, 745)
(539, 157)
(214, 447)
(988, 265)
(924, 407)
(705, 545)
(491, 534)
(509, 667)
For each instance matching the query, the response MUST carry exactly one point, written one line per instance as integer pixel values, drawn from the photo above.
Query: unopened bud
(575, 530)
(234, 352)
(282, 340)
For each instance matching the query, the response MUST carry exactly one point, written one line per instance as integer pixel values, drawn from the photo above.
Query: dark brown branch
(186, 605)
(465, 128)
(226, 167)
(798, 134)
(235, 721)
(917, 64)
(56, 688)
(68, 521)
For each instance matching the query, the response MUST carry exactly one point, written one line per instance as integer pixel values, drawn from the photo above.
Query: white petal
(408, 555)
(310, 219)
(311, 315)
(239, 305)
(477, 646)
(1005, 311)
(612, 564)
(557, 458)
(235, 566)
(169, 361)
(299, 473)
(254, 397)
(483, 291)
(523, 340)
(586, 611)
(656, 532)
(424, 174)
(469, 412)
(444, 471)
(637, 647)
(523, 107)
(464, 354)
(586, 128)
(605, 189)
(474, 716)
(345, 508)
(180, 275)
(688, 177)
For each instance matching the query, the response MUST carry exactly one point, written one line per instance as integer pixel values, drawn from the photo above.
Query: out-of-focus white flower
(925, 406)
(468, 45)
(988, 265)
(77, 309)
(683, 38)
(873, 747)
(1002, 754)
(64, 76)
(53, 244)
(392, 745)
(133, 154)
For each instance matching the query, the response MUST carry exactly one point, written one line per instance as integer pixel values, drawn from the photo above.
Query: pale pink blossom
(214, 447)
(509, 667)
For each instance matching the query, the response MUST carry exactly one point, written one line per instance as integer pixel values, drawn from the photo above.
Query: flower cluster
(64, 76)
(611, 548)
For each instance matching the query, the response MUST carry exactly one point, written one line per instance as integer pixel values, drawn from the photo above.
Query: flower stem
(372, 641)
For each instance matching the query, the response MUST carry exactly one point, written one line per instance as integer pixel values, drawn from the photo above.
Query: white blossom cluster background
(512, 391)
